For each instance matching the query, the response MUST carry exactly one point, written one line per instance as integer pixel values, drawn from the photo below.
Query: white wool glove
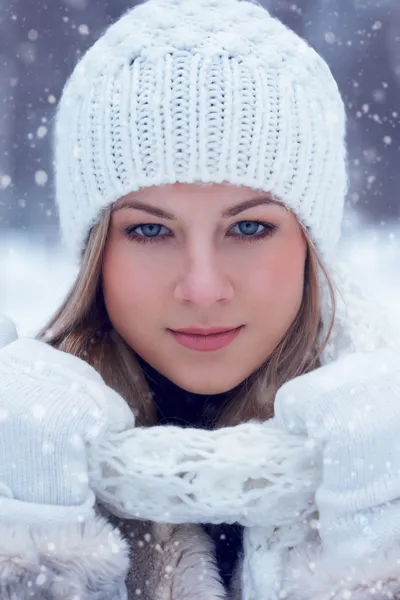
(52, 406)
(351, 410)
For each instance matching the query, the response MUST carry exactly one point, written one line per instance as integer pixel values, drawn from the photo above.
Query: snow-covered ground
(34, 279)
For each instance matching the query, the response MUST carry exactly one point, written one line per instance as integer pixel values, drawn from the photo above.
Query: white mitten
(351, 409)
(52, 541)
(52, 405)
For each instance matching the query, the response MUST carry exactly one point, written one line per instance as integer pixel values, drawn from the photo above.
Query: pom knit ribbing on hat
(201, 91)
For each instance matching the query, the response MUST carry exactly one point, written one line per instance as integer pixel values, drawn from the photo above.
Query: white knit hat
(201, 91)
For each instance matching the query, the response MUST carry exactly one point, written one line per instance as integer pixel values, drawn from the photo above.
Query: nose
(204, 281)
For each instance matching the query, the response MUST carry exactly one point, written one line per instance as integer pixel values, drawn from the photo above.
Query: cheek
(287, 274)
(127, 284)
(278, 283)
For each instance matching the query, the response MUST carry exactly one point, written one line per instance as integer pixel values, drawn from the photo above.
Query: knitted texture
(201, 91)
(253, 474)
(350, 410)
(53, 404)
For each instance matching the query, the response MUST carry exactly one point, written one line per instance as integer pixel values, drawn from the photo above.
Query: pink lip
(205, 342)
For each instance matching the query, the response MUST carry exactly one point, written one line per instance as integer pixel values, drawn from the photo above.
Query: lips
(205, 340)
(204, 331)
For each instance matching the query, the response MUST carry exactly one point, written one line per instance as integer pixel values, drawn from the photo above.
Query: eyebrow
(163, 214)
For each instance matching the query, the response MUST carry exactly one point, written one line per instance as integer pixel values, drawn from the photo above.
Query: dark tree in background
(40, 42)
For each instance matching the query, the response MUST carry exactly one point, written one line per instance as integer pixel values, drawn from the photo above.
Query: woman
(245, 445)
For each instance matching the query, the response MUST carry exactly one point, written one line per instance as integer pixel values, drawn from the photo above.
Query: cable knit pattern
(209, 91)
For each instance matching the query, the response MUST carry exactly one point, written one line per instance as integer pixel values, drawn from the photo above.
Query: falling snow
(41, 177)
(359, 38)
(42, 131)
(5, 181)
(330, 37)
(38, 412)
(33, 35)
(83, 29)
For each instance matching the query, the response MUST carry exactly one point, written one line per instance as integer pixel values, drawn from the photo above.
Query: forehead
(212, 195)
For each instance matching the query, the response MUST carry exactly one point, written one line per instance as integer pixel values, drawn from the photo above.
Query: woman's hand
(52, 405)
(351, 410)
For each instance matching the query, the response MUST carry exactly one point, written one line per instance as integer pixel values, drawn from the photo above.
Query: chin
(206, 386)
(208, 390)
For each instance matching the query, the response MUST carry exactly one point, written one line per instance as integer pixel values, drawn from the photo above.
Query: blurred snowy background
(39, 44)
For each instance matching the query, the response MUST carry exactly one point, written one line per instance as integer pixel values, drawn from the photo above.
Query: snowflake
(33, 35)
(379, 96)
(83, 29)
(5, 181)
(41, 177)
(377, 25)
(48, 448)
(41, 579)
(42, 131)
(38, 412)
(330, 37)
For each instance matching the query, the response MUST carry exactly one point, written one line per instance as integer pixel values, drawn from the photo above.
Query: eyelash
(268, 231)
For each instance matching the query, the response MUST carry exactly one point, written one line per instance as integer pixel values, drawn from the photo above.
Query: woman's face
(192, 256)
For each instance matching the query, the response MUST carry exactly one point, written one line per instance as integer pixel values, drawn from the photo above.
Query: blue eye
(249, 227)
(149, 232)
(249, 231)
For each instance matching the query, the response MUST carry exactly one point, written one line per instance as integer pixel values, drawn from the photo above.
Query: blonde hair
(82, 327)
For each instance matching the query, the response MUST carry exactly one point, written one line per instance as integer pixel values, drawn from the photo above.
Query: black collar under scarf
(175, 406)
